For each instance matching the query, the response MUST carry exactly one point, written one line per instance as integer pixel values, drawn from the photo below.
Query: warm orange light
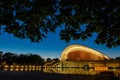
(33, 69)
(22, 66)
(37, 68)
(5, 69)
(101, 68)
(30, 66)
(29, 69)
(21, 69)
(26, 69)
(82, 52)
(11, 69)
(6, 66)
(16, 69)
(11, 66)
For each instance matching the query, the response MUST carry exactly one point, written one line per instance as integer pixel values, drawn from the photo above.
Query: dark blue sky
(51, 47)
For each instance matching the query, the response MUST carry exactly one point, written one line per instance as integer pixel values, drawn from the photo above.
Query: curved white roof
(75, 47)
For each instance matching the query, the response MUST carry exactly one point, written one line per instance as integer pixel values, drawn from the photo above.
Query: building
(78, 59)
(79, 52)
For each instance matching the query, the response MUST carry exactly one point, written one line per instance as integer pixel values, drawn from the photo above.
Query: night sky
(51, 47)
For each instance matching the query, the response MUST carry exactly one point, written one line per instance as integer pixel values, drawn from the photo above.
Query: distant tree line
(10, 58)
(117, 58)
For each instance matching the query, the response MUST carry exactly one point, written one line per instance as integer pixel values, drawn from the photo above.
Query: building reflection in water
(84, 67)
(80, 70)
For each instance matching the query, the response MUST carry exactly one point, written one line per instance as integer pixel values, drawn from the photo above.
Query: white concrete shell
(96, 55)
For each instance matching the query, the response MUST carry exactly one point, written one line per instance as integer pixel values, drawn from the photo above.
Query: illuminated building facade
(79, 52)
(78, 59)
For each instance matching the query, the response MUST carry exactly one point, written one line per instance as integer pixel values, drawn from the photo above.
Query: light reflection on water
(78, 70)
(65, 70)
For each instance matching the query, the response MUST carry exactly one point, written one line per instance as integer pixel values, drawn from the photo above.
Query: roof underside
(78, 52)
